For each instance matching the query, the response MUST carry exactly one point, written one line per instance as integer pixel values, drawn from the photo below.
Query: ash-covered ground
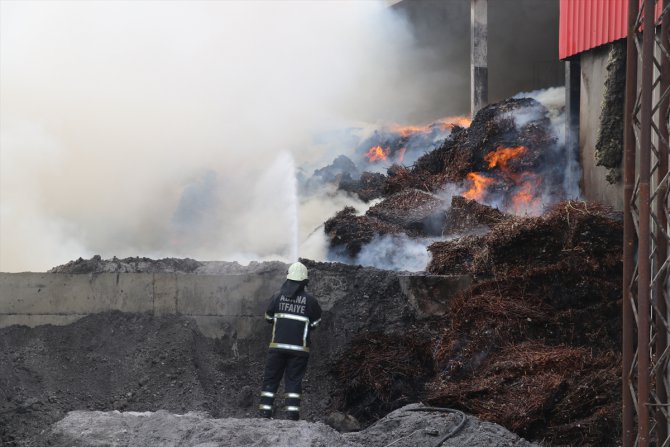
(410, 426)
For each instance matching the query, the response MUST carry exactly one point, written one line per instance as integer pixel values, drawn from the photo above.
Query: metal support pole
(644, 263)
(479, 72)
(628, 228)
(572, 93)
(661, 242)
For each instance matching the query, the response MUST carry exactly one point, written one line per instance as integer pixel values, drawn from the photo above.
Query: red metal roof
(585, 24)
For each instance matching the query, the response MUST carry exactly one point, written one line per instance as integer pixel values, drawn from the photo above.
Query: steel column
(628, 229)
(645, 366)
(479, 71)
(661, 249)
(643, 251)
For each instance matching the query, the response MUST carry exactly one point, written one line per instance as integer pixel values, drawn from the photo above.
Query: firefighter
(294, 313)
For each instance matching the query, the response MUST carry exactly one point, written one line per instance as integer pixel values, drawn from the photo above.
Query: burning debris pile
(533, 345)
(509, 158)
(411, 212)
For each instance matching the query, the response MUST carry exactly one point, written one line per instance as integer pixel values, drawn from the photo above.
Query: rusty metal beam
(644, 245)
(628, 408)
(661, 252)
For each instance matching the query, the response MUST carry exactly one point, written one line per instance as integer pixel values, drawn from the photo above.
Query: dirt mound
(139, 362)
(112, 361)
(128, 265)
(84, 429)
(412, 426)
(166, 265)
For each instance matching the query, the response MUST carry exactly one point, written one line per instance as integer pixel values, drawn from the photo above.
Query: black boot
(267, 414)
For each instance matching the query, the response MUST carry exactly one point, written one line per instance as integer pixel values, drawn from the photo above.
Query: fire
(451, 121)
(406, 131)
(524, 200)
(479, 184)
(376, 153)
(523, 196)
(501, 156)
(443, 124)
(517, 191)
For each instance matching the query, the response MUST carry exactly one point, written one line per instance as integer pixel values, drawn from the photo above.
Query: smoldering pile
(508, 157)
(533, 345)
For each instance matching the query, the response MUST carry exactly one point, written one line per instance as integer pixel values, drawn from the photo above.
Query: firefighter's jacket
(293, 313)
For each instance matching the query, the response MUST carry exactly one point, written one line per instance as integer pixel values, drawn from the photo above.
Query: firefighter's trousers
(292, 367)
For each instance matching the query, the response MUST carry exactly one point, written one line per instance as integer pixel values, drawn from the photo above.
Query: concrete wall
(593, 75)
(220, 304)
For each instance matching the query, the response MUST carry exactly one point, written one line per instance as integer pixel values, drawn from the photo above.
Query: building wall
(594, 186)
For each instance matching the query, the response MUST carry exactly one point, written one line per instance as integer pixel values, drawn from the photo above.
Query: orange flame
(479, 184)
(524, 200)
(451, 121)
(376, 153)
(445, 123)
(523, 197)
(406, 131)
(501, 156)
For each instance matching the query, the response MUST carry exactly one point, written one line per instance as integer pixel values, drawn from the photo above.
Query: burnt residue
(609, 143)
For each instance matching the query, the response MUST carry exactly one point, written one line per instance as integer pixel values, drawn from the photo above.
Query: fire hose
(440, 410)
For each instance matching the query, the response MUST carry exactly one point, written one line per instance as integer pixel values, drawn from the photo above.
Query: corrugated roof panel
(585, 24)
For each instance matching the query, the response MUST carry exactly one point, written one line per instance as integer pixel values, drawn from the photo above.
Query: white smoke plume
(553, 99)
(396, 252)
(158, 128)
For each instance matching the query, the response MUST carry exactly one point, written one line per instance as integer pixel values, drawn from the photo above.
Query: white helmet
(297, 272)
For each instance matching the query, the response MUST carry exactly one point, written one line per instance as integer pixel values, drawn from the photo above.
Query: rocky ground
(402, 428)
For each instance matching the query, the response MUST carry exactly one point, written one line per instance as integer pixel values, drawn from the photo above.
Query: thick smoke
(396, 252)
(172, 128)
(553, 99)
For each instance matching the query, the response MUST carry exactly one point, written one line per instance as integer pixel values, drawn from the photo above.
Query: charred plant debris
(534, 344)
(382, 372)
(510, 145)
(468, 216)
(609, 143)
